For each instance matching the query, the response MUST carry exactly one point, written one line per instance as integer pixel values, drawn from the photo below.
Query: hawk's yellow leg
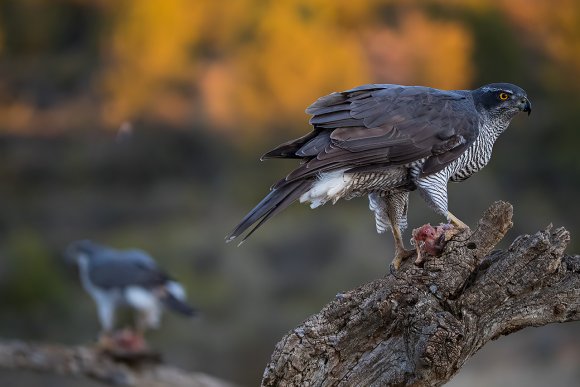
(400, 252)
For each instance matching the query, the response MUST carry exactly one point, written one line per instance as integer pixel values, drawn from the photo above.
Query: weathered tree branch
(89, 362)
(419, 325)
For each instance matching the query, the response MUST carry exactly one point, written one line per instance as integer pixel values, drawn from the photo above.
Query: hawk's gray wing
(119, 269)
(377, 126)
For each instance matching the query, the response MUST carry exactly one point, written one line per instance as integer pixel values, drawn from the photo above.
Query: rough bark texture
(90, 363)
(418, 326)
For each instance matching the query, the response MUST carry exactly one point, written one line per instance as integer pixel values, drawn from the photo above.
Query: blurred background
(140, 124)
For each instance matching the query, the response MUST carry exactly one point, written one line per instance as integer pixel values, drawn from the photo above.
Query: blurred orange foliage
(421, 51)
(250, 65)
(253, 64)
(147, 53)
(552, 25)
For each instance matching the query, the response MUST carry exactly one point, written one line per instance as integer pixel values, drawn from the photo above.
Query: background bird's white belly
(146, 302)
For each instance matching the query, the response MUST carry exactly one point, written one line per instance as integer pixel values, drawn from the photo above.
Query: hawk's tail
(282, 195)
(174, 298)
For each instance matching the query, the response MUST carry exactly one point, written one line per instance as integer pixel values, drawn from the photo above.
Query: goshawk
(384, 141)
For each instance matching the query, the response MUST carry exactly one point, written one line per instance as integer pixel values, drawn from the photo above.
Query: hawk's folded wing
(377, 126)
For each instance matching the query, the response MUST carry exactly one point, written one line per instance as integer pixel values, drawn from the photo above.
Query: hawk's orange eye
(503, 96)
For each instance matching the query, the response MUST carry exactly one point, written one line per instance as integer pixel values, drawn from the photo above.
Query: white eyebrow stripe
(496, 89)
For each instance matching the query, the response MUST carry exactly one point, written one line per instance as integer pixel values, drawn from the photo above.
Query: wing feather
(119, 269)
(386, 125)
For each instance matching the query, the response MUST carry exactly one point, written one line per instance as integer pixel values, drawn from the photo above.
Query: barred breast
(364, 183)
(473, 160)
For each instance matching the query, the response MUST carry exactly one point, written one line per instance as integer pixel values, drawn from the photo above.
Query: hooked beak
(525, 105)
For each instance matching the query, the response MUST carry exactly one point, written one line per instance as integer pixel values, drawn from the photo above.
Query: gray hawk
(385, 140)
(116, 278)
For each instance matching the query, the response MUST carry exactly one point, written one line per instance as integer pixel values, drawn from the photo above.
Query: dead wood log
(419, 325)
(88, 362)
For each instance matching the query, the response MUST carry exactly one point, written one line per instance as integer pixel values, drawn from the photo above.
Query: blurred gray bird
(384, 141)
(130, 278)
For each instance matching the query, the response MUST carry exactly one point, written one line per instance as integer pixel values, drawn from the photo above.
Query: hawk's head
(82, 249)
(502, 100)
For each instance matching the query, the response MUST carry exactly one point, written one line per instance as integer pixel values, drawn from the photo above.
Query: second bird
(116, 278)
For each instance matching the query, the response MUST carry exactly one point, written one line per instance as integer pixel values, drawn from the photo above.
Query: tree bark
(91, 363)
(419, 325)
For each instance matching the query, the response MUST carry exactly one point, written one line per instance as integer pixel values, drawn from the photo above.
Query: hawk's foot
(123, 341)
(420, 257)
(131, 340)
(456, 221)
(106, 342)
(401, 254)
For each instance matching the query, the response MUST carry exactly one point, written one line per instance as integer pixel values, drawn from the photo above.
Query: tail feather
(288, 149)
(177, 305)
(172, 294)
(277, 200)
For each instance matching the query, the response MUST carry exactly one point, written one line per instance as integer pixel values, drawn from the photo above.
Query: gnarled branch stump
(419, 325)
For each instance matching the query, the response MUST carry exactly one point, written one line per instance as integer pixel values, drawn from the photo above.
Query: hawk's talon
(420, 258)
(106, 341)
(401, 255)
(455, 221)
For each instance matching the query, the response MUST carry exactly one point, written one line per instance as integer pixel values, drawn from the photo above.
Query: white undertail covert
(329, 186)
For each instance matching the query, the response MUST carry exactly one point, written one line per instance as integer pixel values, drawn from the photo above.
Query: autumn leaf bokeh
(249, 65)
(260, 64)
